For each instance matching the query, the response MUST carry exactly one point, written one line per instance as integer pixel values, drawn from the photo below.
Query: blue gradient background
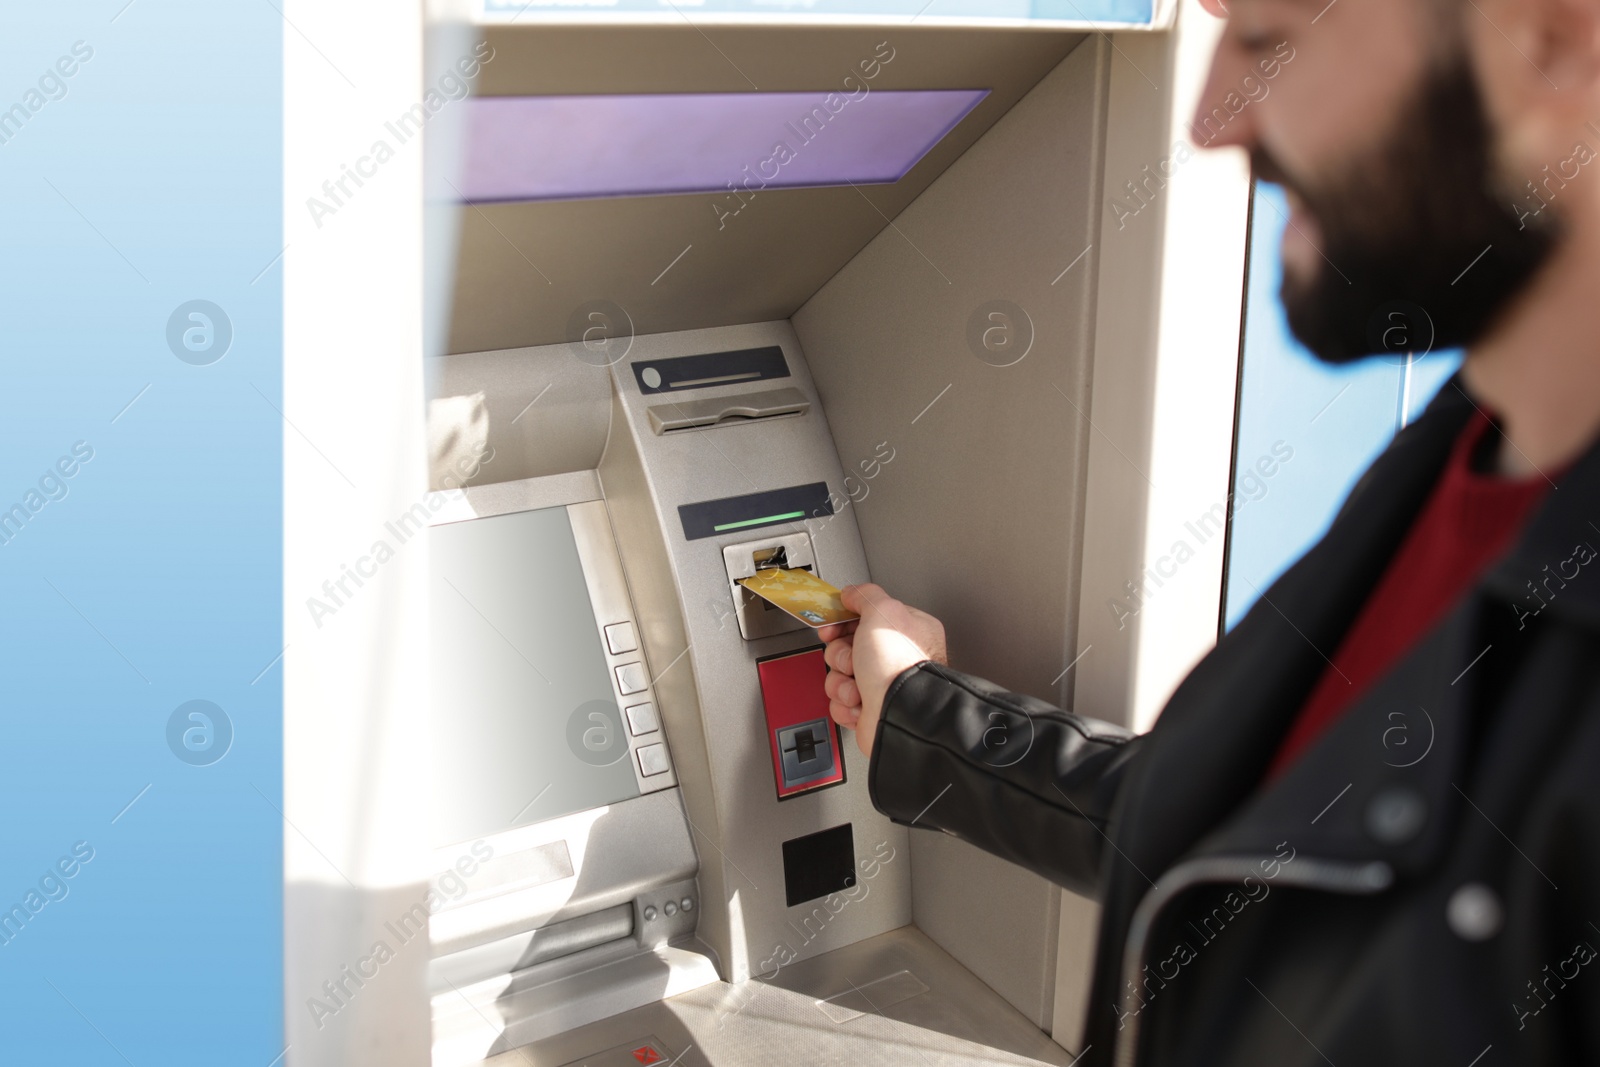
(167, 950)
(1337, 420)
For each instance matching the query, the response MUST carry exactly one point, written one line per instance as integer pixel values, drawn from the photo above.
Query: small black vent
(818, 864)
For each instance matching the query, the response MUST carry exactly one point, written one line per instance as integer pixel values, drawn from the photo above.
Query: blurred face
(1400, 235)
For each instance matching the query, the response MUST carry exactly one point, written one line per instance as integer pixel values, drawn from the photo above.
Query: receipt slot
(803, 739)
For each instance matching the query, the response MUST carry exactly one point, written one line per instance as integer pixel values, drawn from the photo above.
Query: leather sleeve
(1006, 772)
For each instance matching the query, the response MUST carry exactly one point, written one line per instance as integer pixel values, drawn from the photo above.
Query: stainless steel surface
(649, 1049)
(653, 760)
(547, 411)
(979, 516)
(632, 678)
(470, 1022)
(666, 912)
(757, 617)
(529, 948)
(728, 410)
(895, 999)
(502, 498)
(642, 719)
(608, 592)
(712, 712)
(526, 869)
(618, 854)
(1078, 940)
(621, 638)
(958, 1004)
(1004, 213)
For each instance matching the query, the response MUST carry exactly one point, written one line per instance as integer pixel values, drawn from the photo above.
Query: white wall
(1165, 373)
(353, 459)
(1166, 362)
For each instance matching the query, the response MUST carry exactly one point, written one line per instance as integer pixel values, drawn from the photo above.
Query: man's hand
(865, 656)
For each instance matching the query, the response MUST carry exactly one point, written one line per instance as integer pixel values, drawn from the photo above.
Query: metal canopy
(529, 273)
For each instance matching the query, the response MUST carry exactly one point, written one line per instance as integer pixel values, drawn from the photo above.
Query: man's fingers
(840, 655)
(846, 717)
(842, 688)
(834, 687)
(847, 692)
(834, 631)
(861, 598)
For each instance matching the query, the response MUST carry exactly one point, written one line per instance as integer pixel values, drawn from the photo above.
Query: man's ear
(1538, 66)
(1566, 35)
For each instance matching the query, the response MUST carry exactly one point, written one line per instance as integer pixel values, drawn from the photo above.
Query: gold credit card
(800, 593)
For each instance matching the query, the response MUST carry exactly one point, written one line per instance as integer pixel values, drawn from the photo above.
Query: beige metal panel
(596, 58)
(503, 498)
(997, 919)
(682, 262)
(893, 1000)
(526, 270)
(537, 412)
(1079, 932)
(1166, 365)
(663, 633)
(978, 516)
(705, 675)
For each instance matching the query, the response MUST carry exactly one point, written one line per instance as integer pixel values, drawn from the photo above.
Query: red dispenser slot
(803, 739)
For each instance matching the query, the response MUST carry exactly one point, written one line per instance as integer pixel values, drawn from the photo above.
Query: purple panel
(581, 147)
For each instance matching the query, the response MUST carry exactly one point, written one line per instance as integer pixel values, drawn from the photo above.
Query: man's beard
(1404, 266)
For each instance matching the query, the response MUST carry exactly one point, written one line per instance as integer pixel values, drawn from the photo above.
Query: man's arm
(1009, 773)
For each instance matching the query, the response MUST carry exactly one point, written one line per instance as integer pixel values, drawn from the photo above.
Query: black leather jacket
(1422, 886)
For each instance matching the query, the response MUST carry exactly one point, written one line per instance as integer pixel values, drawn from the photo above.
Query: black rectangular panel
(714, 368)
(818, 864)
(730, 514)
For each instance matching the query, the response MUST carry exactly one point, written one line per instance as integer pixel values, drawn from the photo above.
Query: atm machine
(973, 336)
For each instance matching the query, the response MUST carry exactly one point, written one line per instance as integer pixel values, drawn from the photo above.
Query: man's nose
(1215, 124)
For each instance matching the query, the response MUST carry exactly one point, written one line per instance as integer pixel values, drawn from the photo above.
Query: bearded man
(1277, 885)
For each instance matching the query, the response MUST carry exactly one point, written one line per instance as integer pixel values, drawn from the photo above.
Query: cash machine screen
(526, 725)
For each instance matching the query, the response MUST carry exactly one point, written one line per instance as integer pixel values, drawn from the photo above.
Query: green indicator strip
(759, 522)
